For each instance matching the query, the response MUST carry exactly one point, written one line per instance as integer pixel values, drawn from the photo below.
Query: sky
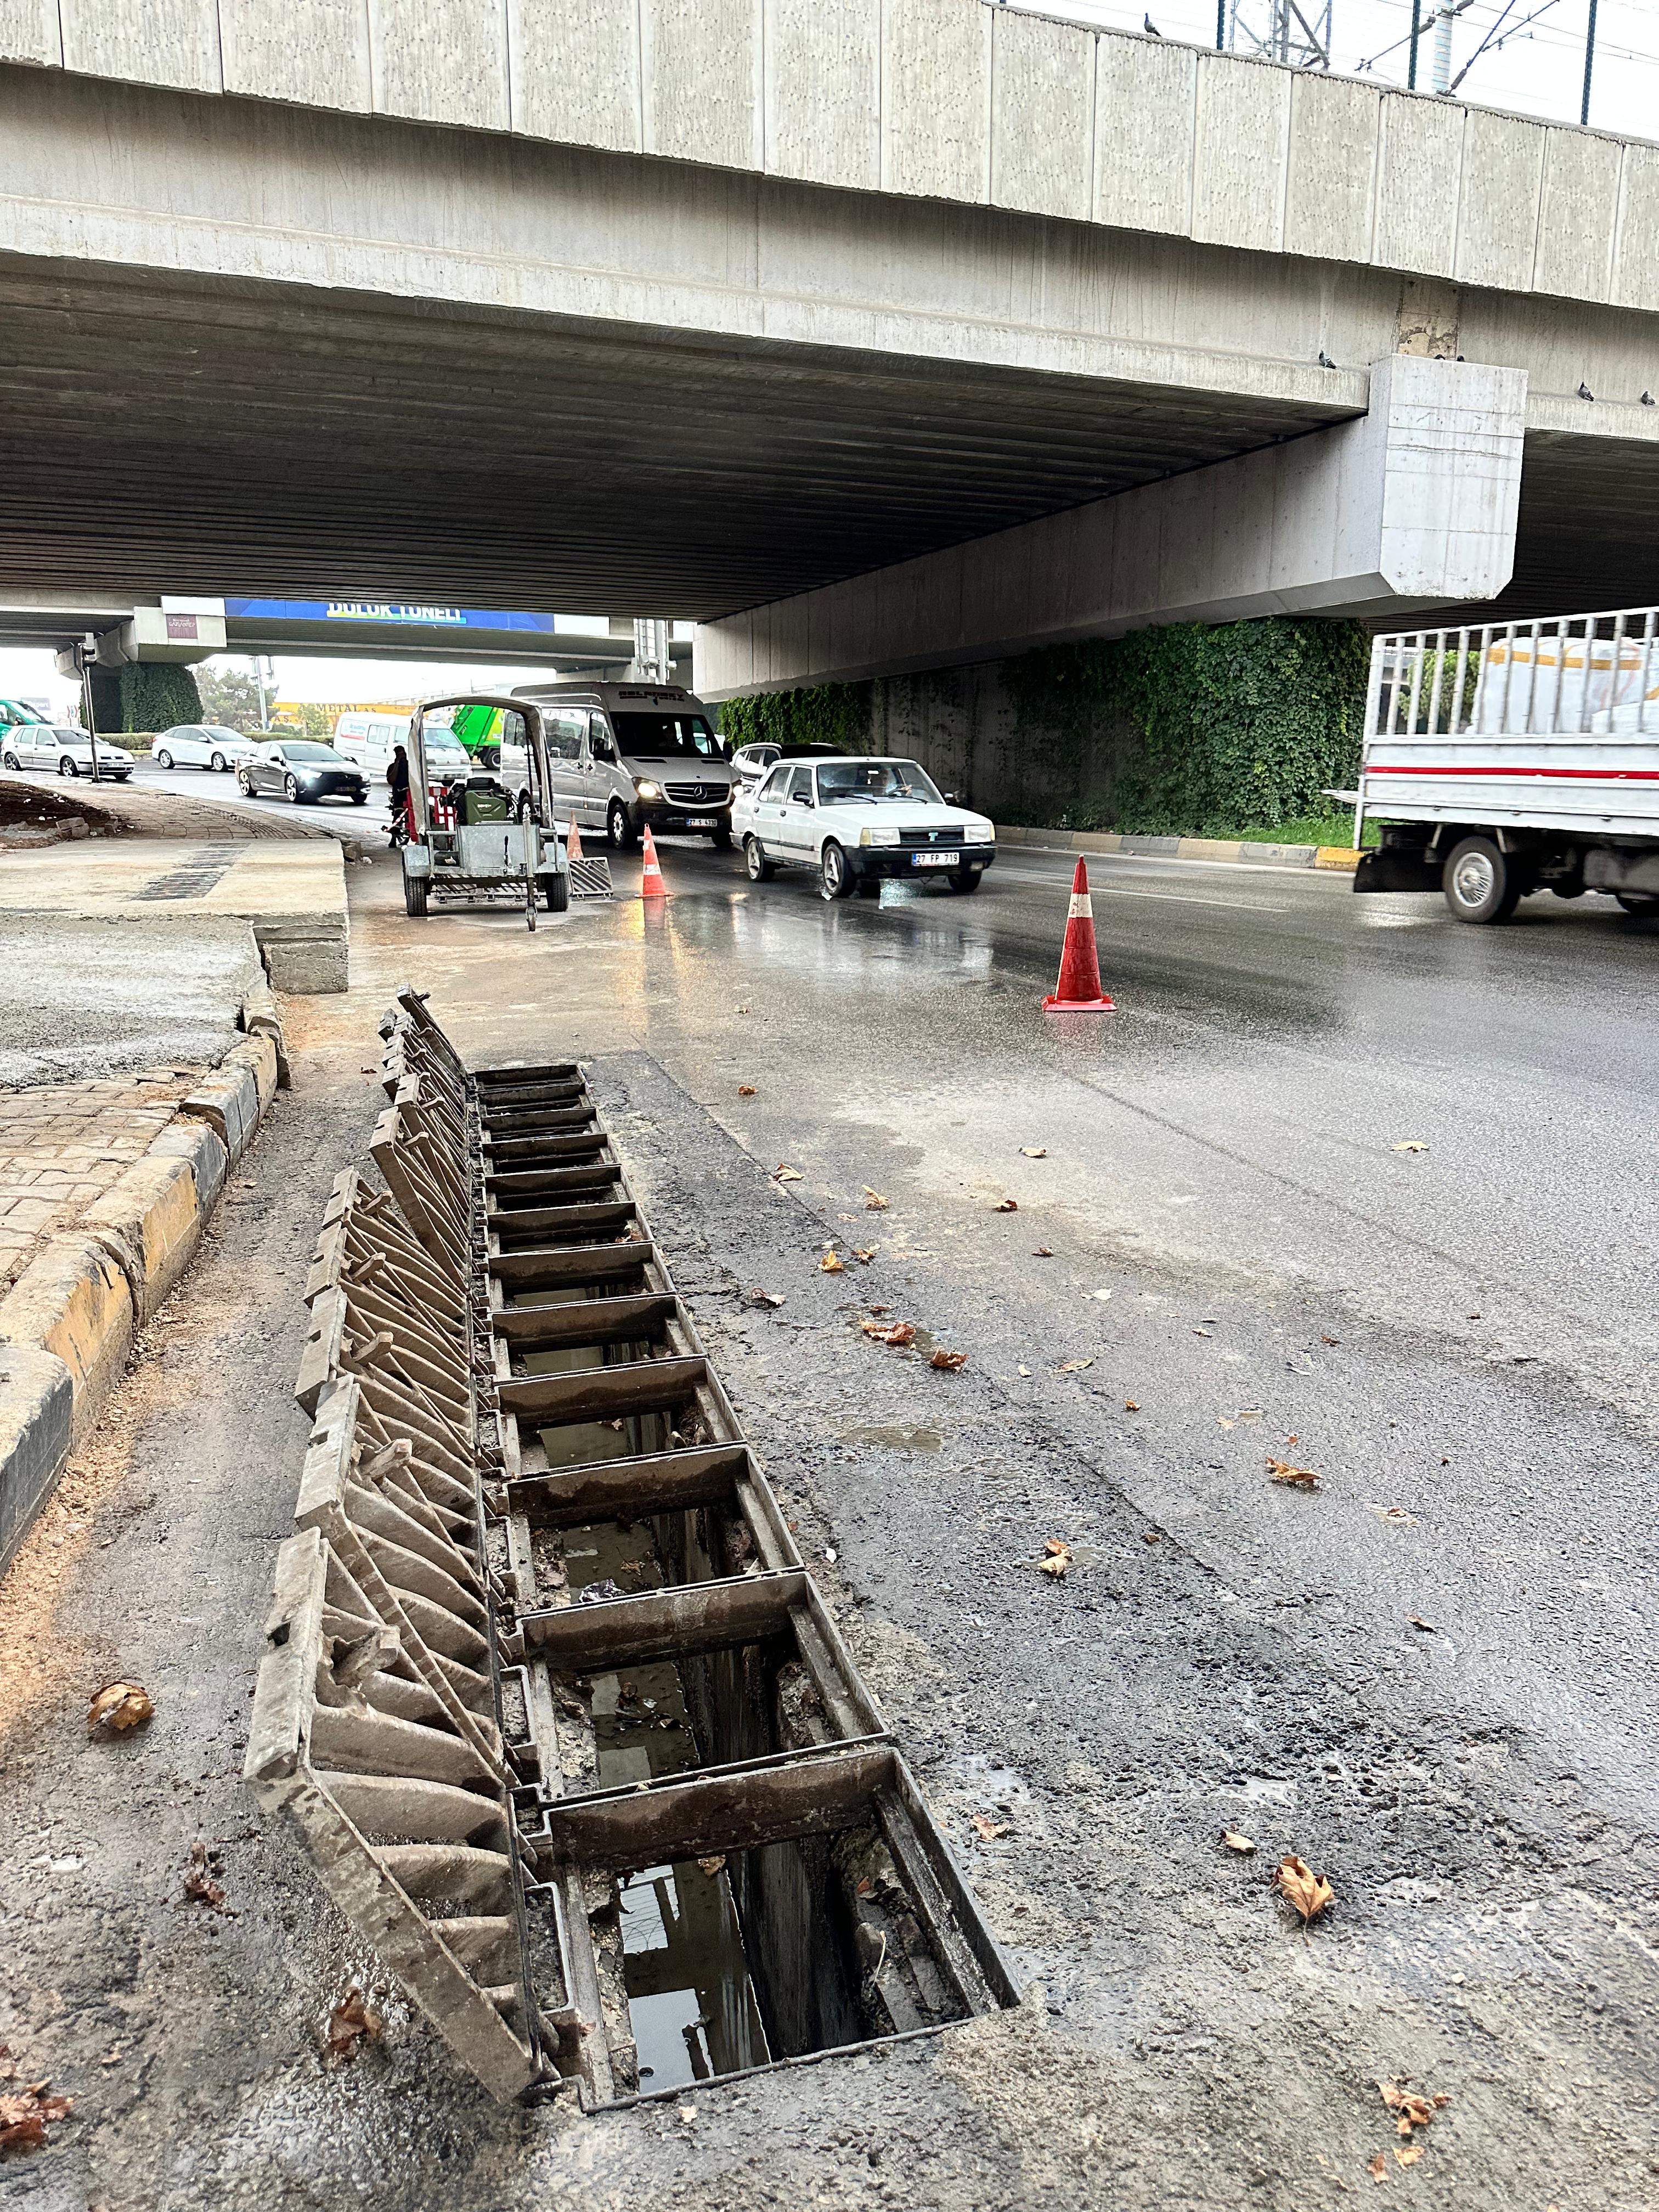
(1537, 70)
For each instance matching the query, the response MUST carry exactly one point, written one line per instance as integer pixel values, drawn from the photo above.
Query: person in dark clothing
(397, 776)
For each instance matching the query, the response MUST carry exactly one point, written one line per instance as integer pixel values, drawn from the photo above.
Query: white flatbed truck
(1515, 758)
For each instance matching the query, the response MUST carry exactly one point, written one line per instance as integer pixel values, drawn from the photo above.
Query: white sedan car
(200, 744)
(855, 820)
(62, 749)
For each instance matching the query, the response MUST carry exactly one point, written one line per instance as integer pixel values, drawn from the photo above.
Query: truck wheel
(415, 890)
(618, 829)
(558, 893)
(1640, 903)
(1480, 883)
(761, 870)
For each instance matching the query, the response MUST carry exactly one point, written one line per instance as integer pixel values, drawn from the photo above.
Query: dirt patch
(34, 807)
(87, 1509)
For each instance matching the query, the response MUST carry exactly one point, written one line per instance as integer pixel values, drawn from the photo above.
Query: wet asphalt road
(1235, 1246)
(338, 815)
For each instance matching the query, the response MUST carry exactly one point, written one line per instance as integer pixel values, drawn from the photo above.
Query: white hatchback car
(61, 749)
(199, 744)
(855, 820)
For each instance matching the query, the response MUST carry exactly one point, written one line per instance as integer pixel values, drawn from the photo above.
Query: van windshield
(666, 737)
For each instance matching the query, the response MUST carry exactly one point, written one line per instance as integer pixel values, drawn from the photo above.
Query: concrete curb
(1333, 857)
(67, 1324)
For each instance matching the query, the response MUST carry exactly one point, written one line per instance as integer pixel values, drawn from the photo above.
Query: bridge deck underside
(170, 433)
(174, 435)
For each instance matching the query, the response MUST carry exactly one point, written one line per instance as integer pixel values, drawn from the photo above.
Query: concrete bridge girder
(1414, 502)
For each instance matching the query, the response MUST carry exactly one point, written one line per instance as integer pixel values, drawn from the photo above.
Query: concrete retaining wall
(67, 1324)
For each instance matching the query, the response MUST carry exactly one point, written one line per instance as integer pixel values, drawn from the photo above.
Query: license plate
(701, 822)
(934, 860)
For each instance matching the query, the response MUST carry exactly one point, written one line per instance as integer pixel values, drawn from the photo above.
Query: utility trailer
(474, 841)
(1515, 758)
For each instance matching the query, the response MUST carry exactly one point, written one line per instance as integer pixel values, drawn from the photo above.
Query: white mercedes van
(622, 755)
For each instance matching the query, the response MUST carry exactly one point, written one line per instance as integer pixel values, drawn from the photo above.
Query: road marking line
(1173, 898)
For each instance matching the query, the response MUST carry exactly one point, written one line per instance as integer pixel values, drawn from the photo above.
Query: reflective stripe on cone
(1077, 991)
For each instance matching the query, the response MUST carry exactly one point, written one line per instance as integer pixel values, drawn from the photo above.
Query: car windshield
(874, 779)
(310, 752)
(666, 736)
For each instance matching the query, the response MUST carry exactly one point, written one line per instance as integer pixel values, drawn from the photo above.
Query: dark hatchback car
(299, 769)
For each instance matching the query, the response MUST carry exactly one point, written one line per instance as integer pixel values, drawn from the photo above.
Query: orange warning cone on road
(1079, 990)
(651, 883)
(573, 843)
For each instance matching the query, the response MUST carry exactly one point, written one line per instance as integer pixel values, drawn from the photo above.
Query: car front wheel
(834, 876)
(721, 840)
(618, 829)
(291, 789)
(66, 765)
(965, 879)
(761, 870)
(1481, 883)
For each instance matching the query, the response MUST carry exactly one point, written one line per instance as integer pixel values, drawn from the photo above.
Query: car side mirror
(951, 798)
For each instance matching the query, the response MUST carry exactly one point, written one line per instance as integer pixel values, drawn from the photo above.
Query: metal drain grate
(194, 877)
(551, 1697)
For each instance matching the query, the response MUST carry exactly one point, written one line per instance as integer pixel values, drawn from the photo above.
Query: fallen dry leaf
(1396, 1515)
(1042, 1252)
(1132, 1405)
(1151, 1535)
(988, 1829)
(1408, 2157)
(897, 1332)
(712, 1866)
(1411, 1145)
(199, 1881)
(784, 1173)
(119, 1706)
(745, 1091)
(1302, 1889)
(350, 2022)
(1006, 1205)
(1035, 1152)
(832, 1264)
(1330, 1340)
(863, 1253)
(874, 1200)
(1235, 1842)
(949, 1362)
(1299, 1478)
(1074, 1366)
(1418, 1621)
(759, 1297)
(1378, 2166)
(1058, 1558)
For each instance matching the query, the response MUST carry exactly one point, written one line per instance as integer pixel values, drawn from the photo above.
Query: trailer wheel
(558, 893)
(1480, 883)
(415, 890)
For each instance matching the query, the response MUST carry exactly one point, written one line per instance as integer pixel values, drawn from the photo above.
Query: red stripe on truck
(1586, 775)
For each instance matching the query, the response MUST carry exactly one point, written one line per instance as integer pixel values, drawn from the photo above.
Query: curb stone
(66, 1325)
(1332, 857)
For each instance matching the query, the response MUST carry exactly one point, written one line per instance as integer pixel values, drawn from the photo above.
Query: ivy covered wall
(1186, 731)
(143, 694)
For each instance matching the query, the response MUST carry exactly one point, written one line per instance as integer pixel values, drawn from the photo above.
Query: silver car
(63, 750)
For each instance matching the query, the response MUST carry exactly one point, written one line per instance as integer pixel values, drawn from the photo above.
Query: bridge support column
(1414, 502)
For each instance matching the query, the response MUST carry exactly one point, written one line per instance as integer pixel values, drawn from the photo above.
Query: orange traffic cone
(573, 843)
(651, 884)
(1079, 990)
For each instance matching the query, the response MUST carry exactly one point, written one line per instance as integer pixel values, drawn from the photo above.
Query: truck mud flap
(682, 1844)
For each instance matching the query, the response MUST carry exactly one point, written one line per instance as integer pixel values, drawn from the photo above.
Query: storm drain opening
(550, 1696)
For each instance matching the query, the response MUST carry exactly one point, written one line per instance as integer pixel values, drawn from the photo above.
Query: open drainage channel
(548, 1693)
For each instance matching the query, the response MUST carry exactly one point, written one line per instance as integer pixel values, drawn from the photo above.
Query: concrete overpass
(716, 310)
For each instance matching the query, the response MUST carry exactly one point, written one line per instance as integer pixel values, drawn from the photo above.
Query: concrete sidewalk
(1337, 858)
(292, 890)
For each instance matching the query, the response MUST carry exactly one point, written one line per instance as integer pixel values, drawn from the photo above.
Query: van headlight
(884, 835)
(646, 789)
